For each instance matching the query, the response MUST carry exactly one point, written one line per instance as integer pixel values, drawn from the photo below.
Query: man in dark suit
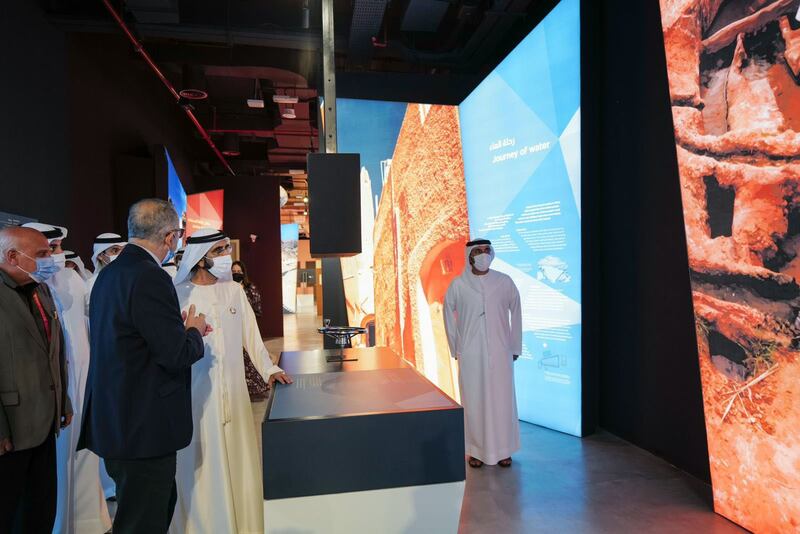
(138, 408)
(34, 404)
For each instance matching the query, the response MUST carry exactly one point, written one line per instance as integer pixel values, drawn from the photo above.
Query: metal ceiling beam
(329, 76)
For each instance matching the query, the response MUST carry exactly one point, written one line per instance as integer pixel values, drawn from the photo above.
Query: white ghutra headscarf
(102, 243)
(470, 278)
(197, 246)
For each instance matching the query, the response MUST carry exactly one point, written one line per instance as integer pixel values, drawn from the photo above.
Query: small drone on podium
(341, 336)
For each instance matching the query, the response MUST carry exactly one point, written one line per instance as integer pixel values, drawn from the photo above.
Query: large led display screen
(369, 128)
(290, 237)
(414, 226)
(733, 80)
(175, 191)
(205, 210)
(521, 153)
(520, 130)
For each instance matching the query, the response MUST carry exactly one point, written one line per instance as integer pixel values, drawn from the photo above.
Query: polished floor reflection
(563, 484)
(598, 484)
(299, 333)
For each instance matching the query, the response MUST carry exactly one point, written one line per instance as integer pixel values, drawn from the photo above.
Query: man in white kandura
(75, 263)
(219, 476)
(483, 321)
(81, 505)
(106, 248)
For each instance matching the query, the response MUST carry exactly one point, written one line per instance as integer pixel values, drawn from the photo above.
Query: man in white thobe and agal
(219, 478)
(483, 321)
(106, 248)
(81, 506)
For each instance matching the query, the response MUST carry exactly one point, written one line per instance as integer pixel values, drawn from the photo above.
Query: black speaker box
(334, 204)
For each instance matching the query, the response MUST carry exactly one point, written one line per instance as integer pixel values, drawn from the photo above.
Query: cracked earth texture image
(733, 76)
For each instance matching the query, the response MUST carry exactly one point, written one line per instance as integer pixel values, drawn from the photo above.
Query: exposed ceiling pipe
(189, 113)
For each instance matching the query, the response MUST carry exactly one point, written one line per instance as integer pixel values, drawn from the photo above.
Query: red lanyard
(45, 320)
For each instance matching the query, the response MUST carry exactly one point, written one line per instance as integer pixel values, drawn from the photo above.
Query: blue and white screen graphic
(520, 130)
(176, 193)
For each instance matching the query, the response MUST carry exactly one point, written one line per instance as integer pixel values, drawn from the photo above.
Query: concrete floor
(563, 484)
(598, 484)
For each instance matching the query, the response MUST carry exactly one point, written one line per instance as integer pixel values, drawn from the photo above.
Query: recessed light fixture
(305, 200)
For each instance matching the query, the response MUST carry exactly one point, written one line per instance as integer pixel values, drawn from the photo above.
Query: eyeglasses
(223, 249)
(180, 231)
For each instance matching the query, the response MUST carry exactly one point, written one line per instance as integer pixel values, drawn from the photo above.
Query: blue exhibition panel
(520, 131)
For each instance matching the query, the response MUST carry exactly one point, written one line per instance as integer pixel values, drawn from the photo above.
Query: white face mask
(111, 258)
(222, 268)
(482, 262)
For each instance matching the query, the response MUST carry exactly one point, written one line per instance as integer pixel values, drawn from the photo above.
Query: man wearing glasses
(137, 406)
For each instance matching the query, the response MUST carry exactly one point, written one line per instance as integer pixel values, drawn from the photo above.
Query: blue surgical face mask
(45, 269)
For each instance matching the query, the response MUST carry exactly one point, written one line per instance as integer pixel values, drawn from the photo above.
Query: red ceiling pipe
(142, 52)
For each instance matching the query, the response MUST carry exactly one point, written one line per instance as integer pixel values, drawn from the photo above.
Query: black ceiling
(431, 51)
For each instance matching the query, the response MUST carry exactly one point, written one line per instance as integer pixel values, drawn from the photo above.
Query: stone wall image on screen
(733, 76)
(420, 232)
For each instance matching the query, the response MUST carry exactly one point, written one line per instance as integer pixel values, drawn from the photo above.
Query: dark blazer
(33, 373)
(138, 399)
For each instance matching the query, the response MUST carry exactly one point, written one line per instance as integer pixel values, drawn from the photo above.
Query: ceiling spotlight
(288, 113)
(305, 212)
(305, 200)
(230, 144)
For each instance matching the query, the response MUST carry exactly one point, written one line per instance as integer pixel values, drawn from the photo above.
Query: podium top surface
(366, 359)
(378, 391)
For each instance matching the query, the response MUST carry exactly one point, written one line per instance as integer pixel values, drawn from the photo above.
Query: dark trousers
(146, 494)
(28, 479)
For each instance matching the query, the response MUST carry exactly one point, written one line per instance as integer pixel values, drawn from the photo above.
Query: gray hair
(152, 219)
(7, 242)
(15, 237)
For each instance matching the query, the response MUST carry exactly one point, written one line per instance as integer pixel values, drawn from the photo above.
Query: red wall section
(252, 207)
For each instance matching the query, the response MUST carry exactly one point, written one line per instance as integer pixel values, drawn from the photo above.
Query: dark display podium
(361, 446)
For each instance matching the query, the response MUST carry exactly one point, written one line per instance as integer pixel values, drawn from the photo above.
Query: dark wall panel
(648, 377)
(252, 207)
(119, 111)
(34, 148)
